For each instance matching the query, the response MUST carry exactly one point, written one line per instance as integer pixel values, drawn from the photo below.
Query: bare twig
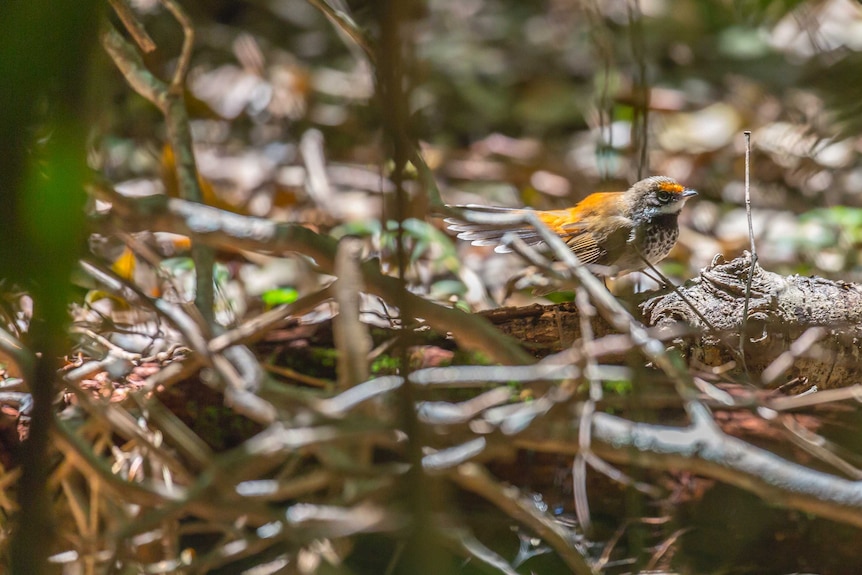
(819, 447)
(676, 290)
(742, 331)
(346, 24)
(316, 180)
(233, 232)
(640, 90)
(184, 61)
(731, 460)
(136, 30)
(579, 466)
(785, 361)
(473, 477)
(471, 547)
(351, 337)
(853, 392)
(170, 100)
(130, 64)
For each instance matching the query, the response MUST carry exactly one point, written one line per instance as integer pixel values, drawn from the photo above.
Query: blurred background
(532, 104)
(513, 103)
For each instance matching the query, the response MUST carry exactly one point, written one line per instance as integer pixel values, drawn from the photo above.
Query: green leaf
(279, 296)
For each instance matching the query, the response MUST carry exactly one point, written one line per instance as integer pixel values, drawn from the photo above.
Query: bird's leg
(659, 277)
(661, 280)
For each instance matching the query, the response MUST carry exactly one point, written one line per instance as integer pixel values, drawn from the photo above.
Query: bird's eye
(664, 197)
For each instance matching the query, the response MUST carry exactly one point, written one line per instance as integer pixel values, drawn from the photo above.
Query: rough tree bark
(780, 310)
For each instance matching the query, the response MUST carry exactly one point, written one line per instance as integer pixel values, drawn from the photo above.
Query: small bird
(616, 230)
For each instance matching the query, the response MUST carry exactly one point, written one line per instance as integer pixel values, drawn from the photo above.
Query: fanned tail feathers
(492, 234)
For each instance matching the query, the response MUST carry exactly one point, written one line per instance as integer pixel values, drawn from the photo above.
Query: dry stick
(120, 422)
(731, 460)
(346, 24)
(349, 27)
(475, 478)
(256, 327)
(640, 90)
(853, 392)
(238, 370)
(169, 99)
(720, 457)
(465, 543)
(579, 465)
(316, 180)
(742, 336)
(178, 81)
(664, 548)
(352, 340)
(785, 361)
(677, 291)
(80, 454)
(234, 233)
(818, 446)
(134, 27)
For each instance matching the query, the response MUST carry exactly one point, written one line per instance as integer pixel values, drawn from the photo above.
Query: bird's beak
(688, 193)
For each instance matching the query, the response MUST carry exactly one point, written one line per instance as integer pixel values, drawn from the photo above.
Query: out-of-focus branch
(233, 232)
(346, 24)
(699, 450)
(24, 359)
(351, 337)
(131, 65)
(731, 460)
(137, 31)
(184, 61)
(240, 373)
(169, 99)
(472, 477)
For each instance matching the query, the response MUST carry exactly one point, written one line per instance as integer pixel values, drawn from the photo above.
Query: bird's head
(658, 195)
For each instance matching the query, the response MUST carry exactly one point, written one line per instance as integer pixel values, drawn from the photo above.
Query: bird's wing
(591, 248)
(585, 247)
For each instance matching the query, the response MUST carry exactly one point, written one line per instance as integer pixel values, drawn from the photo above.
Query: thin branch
(579, 466)
(184, 61)
(235, 233)
(473, 477)
(345, 23)
(716, 455)
(742, 331)
(785, 361)
(640, 90)
(853, 392)
(130, 64)
(136, 30)
(171, 102)
(352, 340)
